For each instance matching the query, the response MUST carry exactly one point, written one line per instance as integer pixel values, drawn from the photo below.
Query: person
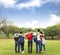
(21, 41)
(29, 37)
(38, 43)
(34, 37)
(44, 43)
(17, 46)
(41, 36)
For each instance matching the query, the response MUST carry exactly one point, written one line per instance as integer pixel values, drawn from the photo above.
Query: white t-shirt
(38, 37)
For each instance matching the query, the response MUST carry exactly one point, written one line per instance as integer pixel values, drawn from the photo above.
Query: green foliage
(52, 31)
(7, 28)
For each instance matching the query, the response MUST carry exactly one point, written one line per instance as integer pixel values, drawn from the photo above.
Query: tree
(52, 31)
(9, 29)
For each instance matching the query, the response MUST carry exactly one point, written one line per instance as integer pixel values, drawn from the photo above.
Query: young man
(21, 41)
(29, 37)
(17, 46)
(38, 42)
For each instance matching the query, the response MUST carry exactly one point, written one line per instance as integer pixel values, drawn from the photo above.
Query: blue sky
(31, 13)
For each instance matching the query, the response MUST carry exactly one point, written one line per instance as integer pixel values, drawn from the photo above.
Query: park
(7, 48)
(20, 16)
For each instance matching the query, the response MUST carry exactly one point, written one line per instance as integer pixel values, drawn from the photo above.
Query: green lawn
(7, 48)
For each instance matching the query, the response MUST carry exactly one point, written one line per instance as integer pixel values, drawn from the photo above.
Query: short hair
(38, 30)
(29, 30)
(20, 32)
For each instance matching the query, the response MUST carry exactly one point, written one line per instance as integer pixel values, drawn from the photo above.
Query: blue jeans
(30, 46)
(17, 47)
(22, 46)
(38, 46)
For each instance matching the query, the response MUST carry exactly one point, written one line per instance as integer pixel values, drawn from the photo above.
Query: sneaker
(22, 52)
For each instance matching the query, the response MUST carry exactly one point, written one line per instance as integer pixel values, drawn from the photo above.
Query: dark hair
(38, 30)
(29, 30)
(41, 32)
(20, 32)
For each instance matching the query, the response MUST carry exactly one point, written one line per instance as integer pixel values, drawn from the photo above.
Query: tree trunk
(52, 37)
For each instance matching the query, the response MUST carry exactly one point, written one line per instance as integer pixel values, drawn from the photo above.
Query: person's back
(21, 41)
(16, 36)
(17, 46)
(43, 40)
(38, 42)
(29, 36)
(38, 36)
(21, 37)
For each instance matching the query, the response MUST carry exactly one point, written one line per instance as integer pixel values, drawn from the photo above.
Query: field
(7, 48)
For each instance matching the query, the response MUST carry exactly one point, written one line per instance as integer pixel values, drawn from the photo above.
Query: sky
(31, 13)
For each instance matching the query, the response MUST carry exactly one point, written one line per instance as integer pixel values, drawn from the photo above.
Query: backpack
(35, 39)
(16, 37)
(29, 36)
(21, 40)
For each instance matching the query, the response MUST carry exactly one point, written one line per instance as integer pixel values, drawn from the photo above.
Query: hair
(20, 32)
(41, 32)
(29, 30)
(38, 30)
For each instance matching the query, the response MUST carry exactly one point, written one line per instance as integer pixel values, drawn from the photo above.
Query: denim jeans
(38, 47)
(17, 47)
(22, 46)
(29, 46)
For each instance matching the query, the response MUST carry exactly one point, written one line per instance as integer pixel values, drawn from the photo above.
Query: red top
(29, 36)
(40, 39)
(41, 36)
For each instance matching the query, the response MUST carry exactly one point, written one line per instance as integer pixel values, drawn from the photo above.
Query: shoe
(22, 52)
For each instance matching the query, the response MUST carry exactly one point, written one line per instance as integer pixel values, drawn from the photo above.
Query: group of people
(37, 37)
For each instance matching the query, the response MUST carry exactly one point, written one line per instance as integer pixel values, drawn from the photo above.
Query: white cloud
(28, 4)
(31, 24)
(54, 1)
(7, 3)
(35, 3)
(54, 19)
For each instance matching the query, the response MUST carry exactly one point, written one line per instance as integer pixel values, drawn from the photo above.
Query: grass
(7, 48)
